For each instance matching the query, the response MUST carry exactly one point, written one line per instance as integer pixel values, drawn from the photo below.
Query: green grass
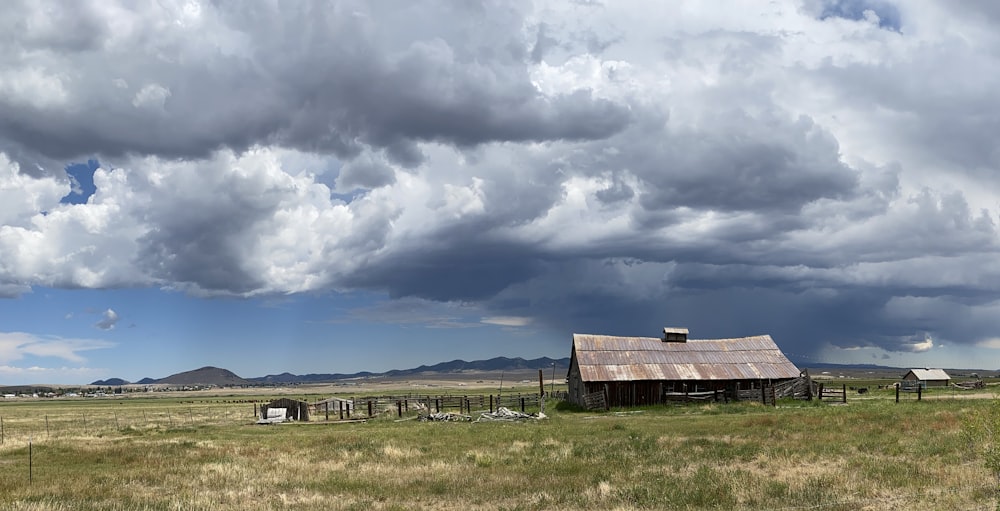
(872, 454)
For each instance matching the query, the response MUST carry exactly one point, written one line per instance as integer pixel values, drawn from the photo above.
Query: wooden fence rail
(372, 406)
(832, 393)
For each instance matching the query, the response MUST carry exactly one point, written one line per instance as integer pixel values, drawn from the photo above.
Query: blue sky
(343, 186)
(156, 333)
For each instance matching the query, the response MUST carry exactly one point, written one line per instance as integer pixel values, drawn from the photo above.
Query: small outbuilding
(636, 371)
(294, 409)
(927, 377)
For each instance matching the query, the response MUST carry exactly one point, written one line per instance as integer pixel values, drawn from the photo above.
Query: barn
(927, 377)
(294, 409)
(636, 371)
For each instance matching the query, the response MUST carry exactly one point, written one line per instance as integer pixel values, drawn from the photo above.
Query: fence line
(371, 406)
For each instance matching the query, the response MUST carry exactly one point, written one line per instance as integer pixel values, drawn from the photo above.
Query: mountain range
(222, 377)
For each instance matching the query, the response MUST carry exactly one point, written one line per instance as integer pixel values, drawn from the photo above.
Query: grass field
(205, 454)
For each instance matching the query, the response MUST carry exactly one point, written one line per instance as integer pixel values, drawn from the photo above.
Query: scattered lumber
(506, 414)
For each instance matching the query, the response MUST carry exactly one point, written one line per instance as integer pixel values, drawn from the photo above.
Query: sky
(321, 187)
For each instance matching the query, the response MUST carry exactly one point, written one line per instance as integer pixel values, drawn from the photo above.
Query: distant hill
(222, 377)
(110, 382)
(204, 376)
(455, 366)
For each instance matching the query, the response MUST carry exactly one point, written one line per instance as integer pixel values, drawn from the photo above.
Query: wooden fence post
(919, 392)
(327, 407)
(819, 394)
(399, 408)
(844, 389)
(897, 393)
(491, 403)
(369, 407)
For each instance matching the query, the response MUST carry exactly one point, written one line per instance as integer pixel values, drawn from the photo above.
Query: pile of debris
(506, 414)
(445, 417)
(969, 385)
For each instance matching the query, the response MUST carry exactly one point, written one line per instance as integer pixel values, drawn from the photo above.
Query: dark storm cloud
(810, 173)
(319, 76)
(464, 269)
(209, 225)
(365, 172)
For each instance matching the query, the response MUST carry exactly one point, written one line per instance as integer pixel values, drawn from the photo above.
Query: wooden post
(491, 403)
(327, 406)
(522, 405)
(774, 397)
(369, 407)
(763, 397)
(919, 387)
(341, 405)
(399, 408)
(819, 395)
(844, 389)
(809, 385)
(897, 393)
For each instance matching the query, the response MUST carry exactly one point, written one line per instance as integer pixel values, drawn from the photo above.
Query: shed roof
(930, 374)
(610, 358)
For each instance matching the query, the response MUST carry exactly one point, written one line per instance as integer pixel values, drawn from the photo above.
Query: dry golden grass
(871, 455)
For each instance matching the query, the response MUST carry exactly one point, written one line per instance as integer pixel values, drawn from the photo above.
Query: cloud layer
(821, 171)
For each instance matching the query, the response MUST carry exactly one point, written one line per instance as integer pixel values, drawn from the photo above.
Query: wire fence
(17, 427)
(48, 420)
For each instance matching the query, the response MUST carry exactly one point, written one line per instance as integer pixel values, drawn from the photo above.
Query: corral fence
(832, 393)
(765, 394)
(375, 406)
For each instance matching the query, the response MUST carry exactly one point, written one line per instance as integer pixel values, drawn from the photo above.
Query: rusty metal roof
(609, 358)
